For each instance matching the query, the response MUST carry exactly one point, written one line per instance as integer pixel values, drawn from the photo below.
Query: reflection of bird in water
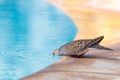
(79, 47)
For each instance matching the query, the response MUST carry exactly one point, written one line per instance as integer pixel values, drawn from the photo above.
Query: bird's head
(56, 52)
(60, 51)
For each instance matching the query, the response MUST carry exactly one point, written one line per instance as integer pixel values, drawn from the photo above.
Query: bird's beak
(53, 54)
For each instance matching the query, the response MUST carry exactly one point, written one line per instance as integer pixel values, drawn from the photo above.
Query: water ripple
(29, 31)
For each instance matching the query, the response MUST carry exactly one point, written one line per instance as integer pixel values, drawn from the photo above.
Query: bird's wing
(75, 47)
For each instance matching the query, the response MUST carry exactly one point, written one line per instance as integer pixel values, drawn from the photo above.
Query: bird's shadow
(93, 57)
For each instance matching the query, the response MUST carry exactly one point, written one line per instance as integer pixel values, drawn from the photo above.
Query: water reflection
(30, 30)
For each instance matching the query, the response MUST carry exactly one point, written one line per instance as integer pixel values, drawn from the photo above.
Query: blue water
(29, 31)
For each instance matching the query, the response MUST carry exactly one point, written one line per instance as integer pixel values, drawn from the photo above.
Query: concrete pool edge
(102, 66)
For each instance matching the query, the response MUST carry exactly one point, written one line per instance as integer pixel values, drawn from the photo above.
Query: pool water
(29, 31)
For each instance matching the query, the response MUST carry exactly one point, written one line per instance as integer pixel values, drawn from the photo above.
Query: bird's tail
(100, 47)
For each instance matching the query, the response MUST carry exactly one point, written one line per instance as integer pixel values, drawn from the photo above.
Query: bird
(78, 48)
